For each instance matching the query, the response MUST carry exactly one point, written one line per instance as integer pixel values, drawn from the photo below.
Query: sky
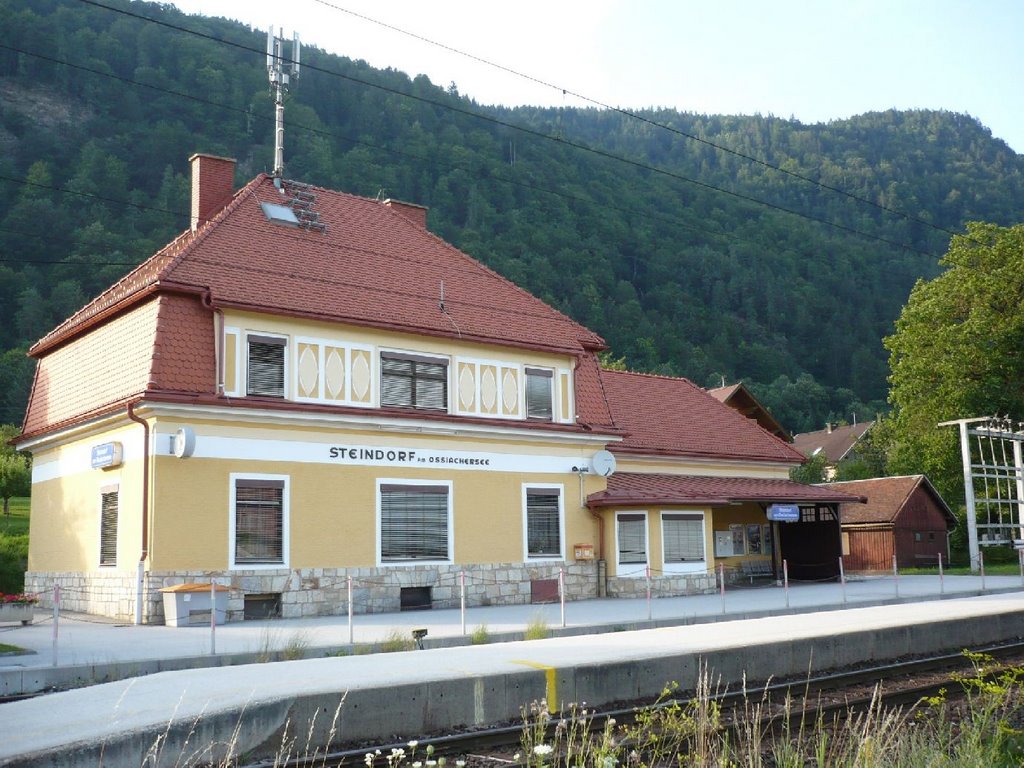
(812, 60)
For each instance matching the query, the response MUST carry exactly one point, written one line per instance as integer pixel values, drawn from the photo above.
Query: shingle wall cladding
(107, 366)
(184, 358)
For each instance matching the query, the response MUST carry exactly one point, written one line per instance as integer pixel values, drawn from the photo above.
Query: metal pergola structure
(990, 448)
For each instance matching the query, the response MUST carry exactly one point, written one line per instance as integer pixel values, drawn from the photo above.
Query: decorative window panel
(509, 391)
(467, 386)
(307, 371)
(334, 373)
(361, 376)
(489, 390)
(565, 390)
(231, 343)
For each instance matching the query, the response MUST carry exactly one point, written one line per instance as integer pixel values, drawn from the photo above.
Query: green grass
(14, 546)
(997, 569)
(6, 648)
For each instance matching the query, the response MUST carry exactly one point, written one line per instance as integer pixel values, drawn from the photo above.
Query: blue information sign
(784, 513)
(106, 455)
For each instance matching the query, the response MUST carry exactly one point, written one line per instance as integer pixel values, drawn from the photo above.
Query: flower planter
(16, 612)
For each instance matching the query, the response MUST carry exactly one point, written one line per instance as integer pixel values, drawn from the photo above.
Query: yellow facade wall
(690, 466)
(64, 527)
(333, 506)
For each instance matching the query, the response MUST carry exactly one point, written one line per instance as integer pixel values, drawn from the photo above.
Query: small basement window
(280, 214)
(262, 606)
(415, 599)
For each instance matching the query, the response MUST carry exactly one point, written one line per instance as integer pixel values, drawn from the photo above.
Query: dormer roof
(369, 264)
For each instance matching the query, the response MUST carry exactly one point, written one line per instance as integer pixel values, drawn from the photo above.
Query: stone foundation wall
(309, 592)
(104, 593)
(664, 585)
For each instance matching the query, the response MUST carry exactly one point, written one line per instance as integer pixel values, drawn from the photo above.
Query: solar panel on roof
(282, 214)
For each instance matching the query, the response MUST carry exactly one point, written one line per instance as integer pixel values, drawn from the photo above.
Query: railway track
(895, 684)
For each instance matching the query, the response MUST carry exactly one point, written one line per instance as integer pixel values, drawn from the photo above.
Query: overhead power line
(637, 116)
(527, 131)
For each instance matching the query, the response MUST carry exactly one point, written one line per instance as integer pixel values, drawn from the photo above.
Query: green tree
(958, 352)
(811, 471)
(15, 471)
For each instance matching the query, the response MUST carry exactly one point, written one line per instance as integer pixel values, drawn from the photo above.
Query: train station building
(308, 389)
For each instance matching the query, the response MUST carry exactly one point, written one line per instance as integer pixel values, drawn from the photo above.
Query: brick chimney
(213, 183)
(417, 214)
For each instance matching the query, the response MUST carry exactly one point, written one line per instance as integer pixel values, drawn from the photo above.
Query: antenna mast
(279, 81)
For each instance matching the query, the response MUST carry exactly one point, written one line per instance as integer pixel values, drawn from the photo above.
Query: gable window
(259, 520)
(631, 535)
(266, 365)
(414, 522)
(108, 527)
(682, 536)
(543, 522)
(413, 381)
(538, 393)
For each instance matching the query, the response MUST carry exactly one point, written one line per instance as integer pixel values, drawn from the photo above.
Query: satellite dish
(184, 442)
(603, 463)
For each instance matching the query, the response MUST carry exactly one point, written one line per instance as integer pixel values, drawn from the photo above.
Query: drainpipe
(145, 509)
(218, 339)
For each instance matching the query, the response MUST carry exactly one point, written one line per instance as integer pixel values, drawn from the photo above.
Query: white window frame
(416, 356)
(527, 557)
(381, 562)
(544, 373)
(104, 490)
(688, 567)
(233, 478)
(636, 570)
(285, 378)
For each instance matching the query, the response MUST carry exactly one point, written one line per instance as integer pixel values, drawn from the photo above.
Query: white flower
(397, 752)
(431, 763)
(460, 764)
(368, 759)
(542, 749)
(516, 756)
(417, 764)
(413, 744)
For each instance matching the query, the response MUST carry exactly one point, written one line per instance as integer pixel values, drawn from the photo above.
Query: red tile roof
(634, 489)
(371, 266)
(835, 444)
(886, 497)
(674, 417)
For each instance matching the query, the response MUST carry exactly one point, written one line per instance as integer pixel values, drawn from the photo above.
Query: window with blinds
(538, 393)
(413, 522)
(632, 535)
(682, 536)
(543, 522)
(413, 381)
(259, 521)
(266, 366)
(108, 528)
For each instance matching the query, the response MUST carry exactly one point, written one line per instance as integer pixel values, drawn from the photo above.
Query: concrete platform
(413, 694)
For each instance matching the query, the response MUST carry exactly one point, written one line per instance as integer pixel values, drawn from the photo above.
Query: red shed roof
(633, 489)
(674, 417)
(885, 498)
(370, 266)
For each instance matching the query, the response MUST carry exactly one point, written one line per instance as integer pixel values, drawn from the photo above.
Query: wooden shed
(904, 516)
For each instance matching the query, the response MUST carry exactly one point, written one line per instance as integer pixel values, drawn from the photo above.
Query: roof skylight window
(281, 214)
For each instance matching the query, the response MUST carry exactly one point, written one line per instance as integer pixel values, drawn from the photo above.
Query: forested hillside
(687, 258)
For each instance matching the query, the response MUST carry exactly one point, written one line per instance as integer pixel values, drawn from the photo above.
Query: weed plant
(480, 635)
(537, 628)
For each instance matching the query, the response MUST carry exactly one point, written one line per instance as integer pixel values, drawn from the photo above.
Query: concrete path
(88, 640)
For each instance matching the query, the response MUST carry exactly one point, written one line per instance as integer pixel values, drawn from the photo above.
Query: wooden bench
(757, 569)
